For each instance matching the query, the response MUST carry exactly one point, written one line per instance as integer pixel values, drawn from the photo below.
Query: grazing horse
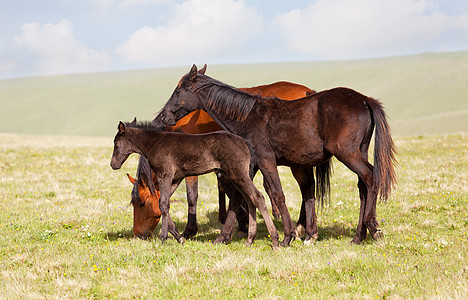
(302, 133)
(146, 212)
(197, 122)
(174, 156)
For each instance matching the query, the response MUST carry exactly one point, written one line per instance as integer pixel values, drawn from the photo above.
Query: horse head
(184, 98)
(146, 213)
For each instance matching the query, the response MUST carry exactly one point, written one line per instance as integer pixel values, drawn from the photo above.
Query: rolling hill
(423, 94)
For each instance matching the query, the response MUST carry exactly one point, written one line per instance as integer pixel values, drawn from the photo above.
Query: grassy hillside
(423, 94)
(66, 232)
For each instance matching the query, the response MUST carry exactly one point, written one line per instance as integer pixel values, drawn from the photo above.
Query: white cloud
(198, 30)
(342, 29)
(57, 49)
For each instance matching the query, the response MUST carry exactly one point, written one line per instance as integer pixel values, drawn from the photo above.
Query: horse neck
(143, 139)
(224, 120)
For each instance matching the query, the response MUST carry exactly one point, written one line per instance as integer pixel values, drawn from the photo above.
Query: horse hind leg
(359, 165)
(307, 219)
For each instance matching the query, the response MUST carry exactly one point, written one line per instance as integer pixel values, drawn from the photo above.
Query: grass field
(66, 232)
(422, 93)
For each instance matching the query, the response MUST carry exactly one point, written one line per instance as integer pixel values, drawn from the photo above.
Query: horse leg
(256, 200)
(222, 214)
(359, 165)
(167, 225)
(241, 214)
(271, 177)
(235, 201)
(191, 228)
(252, 233)
(274, 208)
(307, 216)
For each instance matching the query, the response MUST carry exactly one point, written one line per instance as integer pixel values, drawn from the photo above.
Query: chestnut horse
(174, 156)
(302, 133)
(197, 122)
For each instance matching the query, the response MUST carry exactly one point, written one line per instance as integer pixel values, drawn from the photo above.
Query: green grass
(66, 232)
(423, 94)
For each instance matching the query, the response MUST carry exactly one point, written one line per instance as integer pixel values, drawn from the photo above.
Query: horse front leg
(167, 225)
(271, 177)
(191, 228)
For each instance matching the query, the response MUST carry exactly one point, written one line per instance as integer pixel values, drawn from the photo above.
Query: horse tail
(322, 174)
(384, 151)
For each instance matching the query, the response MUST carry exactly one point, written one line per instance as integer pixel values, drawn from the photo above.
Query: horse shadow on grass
(209, 229)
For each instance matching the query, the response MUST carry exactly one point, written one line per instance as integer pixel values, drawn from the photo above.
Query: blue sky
(78, 36)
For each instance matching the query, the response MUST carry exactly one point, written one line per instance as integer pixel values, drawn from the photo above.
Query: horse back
(281, 89)
(196, 122)
(196, 154)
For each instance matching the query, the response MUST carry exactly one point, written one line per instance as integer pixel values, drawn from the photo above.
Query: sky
(51, 37)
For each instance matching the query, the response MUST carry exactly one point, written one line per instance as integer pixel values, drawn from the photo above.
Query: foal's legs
(166, 190)
(191, 228)
(307, 217)
(256, 199)
(235, 201)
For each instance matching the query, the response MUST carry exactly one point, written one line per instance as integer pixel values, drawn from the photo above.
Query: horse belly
(297, 143)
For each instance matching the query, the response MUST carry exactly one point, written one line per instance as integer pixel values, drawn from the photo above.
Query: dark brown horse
(174, 156)
(303, 133)
(198, 122)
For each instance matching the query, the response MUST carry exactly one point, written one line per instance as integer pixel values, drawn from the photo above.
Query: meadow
(66, 230)
(66, 218)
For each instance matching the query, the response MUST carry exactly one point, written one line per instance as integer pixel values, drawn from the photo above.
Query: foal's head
(146, 213)
(184, 99)
(122, 147)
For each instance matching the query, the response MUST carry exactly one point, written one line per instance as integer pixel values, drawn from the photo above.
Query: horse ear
(202, 70)
(121, 127)
(193, 72)
(132, 180)
(134, 121)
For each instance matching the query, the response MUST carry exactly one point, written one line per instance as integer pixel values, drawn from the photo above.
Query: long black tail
(384, 152)
(322, 174)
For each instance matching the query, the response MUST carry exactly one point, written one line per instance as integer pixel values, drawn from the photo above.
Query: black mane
(226, 100)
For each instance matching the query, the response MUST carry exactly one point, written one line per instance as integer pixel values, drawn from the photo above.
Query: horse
(197, 122)
(302, 133)
(175, 155)
(146, 212)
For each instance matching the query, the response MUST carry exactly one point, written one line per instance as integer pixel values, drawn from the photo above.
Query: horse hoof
(300, 231)
(181, 240)
(356, 240)
(378, 235)
(311, 240)
(221, 239)
(287, 240)
(189, 233)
